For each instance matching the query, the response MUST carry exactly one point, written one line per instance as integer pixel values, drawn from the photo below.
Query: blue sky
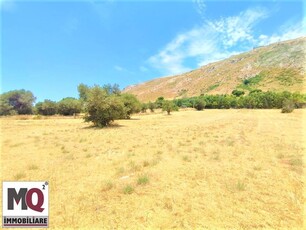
(49, 47)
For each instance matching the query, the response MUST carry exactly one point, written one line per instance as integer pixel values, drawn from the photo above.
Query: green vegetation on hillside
(251, 83)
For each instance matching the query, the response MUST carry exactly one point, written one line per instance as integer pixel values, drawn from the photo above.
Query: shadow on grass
(132, 119)
(111, 126)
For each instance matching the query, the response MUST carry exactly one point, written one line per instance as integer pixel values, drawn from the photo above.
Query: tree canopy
(69, 106)
(47, 107)
(103, 108)
(16, 102)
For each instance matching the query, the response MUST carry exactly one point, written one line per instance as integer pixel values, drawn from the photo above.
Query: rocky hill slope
(277, 67)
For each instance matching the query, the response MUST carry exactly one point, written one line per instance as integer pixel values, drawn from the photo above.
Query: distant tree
(168, 106)
(103, 108)
(151, 106)
(16, 102)
(199, 103)
(69, 106)
(47, 107)
(159, 102)
(288, 106)
(6, 108)
(144, 107)
(246, 81)
(112, 89)
(131, 104)
(83, 92)
(237, 92)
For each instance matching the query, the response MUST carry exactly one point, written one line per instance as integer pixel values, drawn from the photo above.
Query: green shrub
(128, 189)
(103, 108)
(169, 106)
(47, 108)
(131, 104)
(144, 107)
(288, 106)
(143, 180)
(159, 102)
(69, 106)
(237, 92)
(199, 103)
(151, 106)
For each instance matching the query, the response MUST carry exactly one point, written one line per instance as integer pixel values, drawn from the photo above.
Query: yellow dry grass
(210, 169)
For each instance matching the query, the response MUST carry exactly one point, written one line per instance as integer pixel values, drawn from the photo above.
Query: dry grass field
(213, 169)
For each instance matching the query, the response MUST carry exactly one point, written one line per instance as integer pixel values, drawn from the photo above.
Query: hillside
(277, 67)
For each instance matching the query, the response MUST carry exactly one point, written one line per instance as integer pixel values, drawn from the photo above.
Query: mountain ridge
(277, 67)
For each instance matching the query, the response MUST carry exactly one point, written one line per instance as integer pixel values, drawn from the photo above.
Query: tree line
(256, 99)
(20, 102)
(101, 104)
(104, 104)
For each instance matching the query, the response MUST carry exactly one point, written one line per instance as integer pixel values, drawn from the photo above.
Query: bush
(47, 108)
(199, 103)
(169, 106)
(131, 104)
(103, 108)
(288, 106)
(69, 106)
(143, 180)
(151, 106)
(159, 102)
(237, 92)
(144, 107)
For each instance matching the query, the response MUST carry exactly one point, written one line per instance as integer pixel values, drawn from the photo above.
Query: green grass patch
(240, 186)
(251, 83)
(142, 180)
(128, 189)
(212, 87)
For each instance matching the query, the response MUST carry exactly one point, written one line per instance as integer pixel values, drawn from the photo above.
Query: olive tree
(131, 104)
(103, 108)
(168, 106)
(47, 107)
(16, 102)
(69, 106)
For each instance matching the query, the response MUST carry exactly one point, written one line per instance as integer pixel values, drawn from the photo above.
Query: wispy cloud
(213, 40)
(218, 39)
(122, 69)
(119, 68)
(200, 7)
(8, 5)
(287, 32)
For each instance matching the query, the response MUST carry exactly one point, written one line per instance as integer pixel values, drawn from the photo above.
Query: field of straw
(212, 169)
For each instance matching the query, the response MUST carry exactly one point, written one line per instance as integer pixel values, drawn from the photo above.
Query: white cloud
(200, 7)
(218, 39)
(7, 5)
(119, 68)
(289, 31)
(122, 69)
(209, 42)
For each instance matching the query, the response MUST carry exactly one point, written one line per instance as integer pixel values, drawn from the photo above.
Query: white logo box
(25, 204)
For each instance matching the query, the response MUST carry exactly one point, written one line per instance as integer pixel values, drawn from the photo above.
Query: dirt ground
(211, 169)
